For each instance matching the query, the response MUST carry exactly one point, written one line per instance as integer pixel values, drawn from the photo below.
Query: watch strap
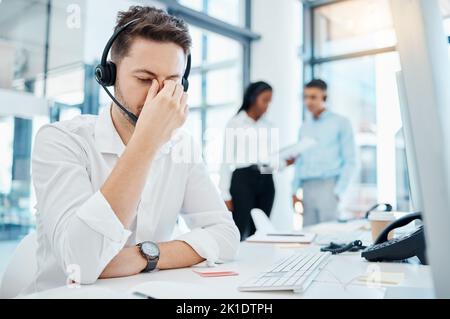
(151, 261)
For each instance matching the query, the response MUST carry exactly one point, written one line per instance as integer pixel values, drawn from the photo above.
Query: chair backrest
(262, 222)
(21, 269)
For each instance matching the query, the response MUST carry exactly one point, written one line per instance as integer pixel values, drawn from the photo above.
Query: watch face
(150, 249)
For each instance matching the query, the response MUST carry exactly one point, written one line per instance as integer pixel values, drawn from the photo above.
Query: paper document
(292, 151)
(290, 237)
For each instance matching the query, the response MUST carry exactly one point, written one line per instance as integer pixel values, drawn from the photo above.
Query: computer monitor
(423, 50)
(411, 161)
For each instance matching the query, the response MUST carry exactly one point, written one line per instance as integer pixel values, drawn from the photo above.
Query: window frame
(203, 21)
(310, 61)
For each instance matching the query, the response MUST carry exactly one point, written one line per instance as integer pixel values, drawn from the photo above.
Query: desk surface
(337, 280)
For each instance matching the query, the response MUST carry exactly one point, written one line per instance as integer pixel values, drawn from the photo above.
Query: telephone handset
(399, 248)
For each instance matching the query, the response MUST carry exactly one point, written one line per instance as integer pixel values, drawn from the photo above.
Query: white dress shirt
(76, 228)
(243, 121)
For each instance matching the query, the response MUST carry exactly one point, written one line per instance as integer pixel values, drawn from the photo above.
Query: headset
(336, 249)
(106, 71)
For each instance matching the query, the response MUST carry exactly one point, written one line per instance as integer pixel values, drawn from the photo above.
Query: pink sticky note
(216, 273)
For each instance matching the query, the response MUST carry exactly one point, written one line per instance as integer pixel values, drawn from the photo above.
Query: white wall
(275, 59)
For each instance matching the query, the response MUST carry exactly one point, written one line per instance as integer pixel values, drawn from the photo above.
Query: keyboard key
(291, 273)
(270, 282)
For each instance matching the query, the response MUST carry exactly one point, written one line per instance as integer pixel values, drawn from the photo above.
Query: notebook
(282, 237)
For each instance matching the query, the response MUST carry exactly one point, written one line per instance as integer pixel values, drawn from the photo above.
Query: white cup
(379, 221)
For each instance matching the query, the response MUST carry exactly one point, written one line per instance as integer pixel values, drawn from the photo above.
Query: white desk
(337, 280)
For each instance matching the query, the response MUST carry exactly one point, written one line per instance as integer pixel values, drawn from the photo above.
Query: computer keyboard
(295, 272)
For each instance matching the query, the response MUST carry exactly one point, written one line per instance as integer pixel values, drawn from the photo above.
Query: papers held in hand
(292, 151)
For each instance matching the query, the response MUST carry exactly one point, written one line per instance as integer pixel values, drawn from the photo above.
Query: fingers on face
(183, 101)
(152, 91)
(184, 106)
(174, 92)
(169, 88)
(178, 93)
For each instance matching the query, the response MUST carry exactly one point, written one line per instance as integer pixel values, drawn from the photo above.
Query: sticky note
(216, 273)
(387, 278)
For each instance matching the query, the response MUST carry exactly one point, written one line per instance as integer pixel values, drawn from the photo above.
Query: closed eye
(145, 80)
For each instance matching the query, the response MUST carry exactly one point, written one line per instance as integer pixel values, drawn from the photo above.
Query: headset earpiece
(106, 74)
(187, 71)
(185, 84)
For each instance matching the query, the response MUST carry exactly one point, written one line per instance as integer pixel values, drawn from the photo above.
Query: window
(338, 30)
(355, 54)
(21, 67)
(445, 9)
(364, 90)
(216, 69)
(231, 11)
(215, 90)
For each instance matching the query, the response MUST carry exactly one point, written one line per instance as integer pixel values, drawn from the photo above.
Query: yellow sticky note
(386, 278)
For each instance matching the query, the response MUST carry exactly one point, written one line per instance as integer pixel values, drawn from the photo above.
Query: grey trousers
(319, 201)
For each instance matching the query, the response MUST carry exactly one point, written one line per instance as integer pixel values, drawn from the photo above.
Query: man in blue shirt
(325, 170)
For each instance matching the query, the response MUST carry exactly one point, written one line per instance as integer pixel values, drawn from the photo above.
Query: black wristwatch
(149, 251)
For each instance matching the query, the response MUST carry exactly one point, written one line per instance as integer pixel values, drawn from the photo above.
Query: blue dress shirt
(334, 155)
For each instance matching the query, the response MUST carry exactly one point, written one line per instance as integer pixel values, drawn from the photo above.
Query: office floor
(6, 250)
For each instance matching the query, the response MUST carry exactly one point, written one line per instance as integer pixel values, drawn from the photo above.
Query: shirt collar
(324, 114)
(249, 119)
(321, 117)
(106, 137)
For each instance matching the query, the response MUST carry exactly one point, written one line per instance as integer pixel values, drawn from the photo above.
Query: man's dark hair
(318, 84)
(152, 24)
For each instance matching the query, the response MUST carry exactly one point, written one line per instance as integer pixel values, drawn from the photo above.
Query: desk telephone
(400, 248)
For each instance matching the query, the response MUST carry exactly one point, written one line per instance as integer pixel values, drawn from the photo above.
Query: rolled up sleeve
(77, 221)
(214, 235)
(99, 216)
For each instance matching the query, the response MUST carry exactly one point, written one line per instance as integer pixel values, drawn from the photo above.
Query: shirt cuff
(339, 190)
(204, 244)
(226, 196)
(296, 185)
(98, 215)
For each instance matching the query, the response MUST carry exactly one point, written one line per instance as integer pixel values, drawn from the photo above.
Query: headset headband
(105, 72)
(113, 38)
(116, 34)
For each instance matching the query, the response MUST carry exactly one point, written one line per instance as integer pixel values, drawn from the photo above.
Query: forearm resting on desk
(129, 261)
(177, 254)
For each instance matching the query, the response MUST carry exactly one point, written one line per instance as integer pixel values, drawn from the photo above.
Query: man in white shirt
(109, 192)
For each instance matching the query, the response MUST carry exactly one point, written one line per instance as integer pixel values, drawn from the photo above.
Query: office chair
(261, 221)
(21, 269)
